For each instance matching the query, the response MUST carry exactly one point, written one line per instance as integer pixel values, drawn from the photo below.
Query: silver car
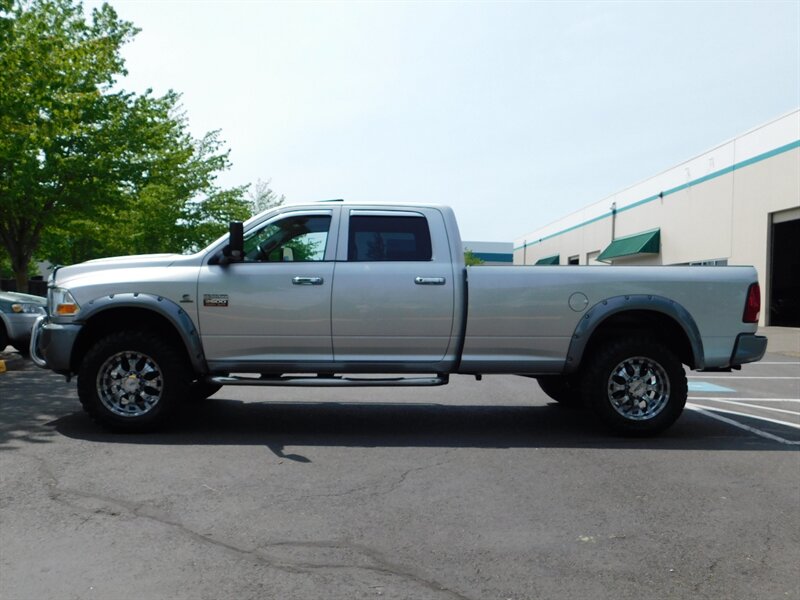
(18, 312)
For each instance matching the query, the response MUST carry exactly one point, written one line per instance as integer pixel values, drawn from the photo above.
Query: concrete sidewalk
(782, 340)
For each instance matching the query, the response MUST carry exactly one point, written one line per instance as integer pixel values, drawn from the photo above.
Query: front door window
(300, 238)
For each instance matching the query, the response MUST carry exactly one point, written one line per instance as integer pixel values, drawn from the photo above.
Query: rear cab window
(389, 238)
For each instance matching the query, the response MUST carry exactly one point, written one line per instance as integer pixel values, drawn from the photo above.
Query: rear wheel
(132, 381)
(637, 387)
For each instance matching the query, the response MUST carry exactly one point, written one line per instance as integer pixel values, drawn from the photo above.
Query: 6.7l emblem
(215, 299)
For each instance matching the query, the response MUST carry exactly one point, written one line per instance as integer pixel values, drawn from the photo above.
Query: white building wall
(717, 205)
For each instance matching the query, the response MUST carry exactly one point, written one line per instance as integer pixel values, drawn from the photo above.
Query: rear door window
(387, 238)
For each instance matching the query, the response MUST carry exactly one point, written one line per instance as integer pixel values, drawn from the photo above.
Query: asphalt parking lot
(475, 490)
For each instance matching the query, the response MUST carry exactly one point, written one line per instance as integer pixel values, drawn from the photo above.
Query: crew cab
(343, 294)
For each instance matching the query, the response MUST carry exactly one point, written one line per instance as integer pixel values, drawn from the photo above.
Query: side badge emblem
(215, 299)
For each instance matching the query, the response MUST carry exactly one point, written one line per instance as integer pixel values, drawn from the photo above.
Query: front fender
(601, 311)
(164, 307)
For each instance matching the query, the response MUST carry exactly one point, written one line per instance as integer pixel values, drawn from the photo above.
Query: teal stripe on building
(740, 165)
(494, 257)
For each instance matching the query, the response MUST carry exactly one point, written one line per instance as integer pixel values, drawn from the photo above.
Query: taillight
(752, 306)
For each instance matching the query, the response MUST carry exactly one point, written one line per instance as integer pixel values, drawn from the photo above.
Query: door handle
(307, 280)
(430, 280)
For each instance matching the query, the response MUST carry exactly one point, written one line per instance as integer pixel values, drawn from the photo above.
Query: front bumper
(749, 348)
(52, 343)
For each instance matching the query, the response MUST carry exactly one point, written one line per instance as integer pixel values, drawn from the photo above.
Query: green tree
(87, 170)
(261, 197)
(470, 259)
(7, 273)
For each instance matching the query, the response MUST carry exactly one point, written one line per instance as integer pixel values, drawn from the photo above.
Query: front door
(274, 307)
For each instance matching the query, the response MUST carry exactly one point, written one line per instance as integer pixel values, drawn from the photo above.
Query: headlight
(61, 303)
(24, 307)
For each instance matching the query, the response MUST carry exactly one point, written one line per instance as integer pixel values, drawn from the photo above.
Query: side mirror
(234, 251)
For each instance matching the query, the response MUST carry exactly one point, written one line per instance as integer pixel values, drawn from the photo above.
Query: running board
(328, 381)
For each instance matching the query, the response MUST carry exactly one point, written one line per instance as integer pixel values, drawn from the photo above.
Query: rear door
(393, 291)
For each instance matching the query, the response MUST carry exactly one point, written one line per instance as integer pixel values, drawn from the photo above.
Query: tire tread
(171, 362)
(606, 357)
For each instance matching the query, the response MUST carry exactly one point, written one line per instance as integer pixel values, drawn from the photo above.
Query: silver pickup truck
(341, 294)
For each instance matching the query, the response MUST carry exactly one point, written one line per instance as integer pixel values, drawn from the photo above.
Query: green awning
(549, 260)
(648, 242)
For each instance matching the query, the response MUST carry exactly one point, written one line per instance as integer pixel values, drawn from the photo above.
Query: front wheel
(637, 387)
(132, 381)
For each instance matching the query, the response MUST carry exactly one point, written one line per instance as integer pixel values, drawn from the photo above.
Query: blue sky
(513, 113)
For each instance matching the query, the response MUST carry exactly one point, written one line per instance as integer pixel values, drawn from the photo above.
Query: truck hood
(137, 261)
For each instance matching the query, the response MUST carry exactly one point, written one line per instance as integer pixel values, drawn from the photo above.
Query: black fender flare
(160, 305)
(604, 309)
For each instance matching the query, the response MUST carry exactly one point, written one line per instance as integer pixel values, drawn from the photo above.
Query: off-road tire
(132, 381)
(637, 387)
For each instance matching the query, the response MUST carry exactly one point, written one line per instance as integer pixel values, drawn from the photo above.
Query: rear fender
(601, 311)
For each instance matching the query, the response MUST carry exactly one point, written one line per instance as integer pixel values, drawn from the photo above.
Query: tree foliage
(261, 197)
(470, 259)
(87, 170)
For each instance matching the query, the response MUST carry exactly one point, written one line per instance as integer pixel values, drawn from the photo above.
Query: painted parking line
(773, 418)
(705, 386)
(773, 362)
(737, 377)
(745, 399)
(724, 409)
(738, 402)
(749, 416)
(765, 434)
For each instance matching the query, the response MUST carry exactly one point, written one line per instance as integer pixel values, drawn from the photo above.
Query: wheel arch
(668, 320)
(147, 311)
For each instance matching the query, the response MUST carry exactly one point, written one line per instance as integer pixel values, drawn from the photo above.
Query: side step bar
(332, 381)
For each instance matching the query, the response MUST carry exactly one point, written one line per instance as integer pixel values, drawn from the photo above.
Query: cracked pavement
(471, 491)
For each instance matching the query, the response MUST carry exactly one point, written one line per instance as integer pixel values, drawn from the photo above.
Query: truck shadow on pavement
(278, 425)
(38, 408)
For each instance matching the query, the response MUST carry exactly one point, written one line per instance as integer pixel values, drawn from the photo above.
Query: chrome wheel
(130, 384)
(638, 388)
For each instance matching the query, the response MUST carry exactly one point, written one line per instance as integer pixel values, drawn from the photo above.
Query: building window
(717, 262)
